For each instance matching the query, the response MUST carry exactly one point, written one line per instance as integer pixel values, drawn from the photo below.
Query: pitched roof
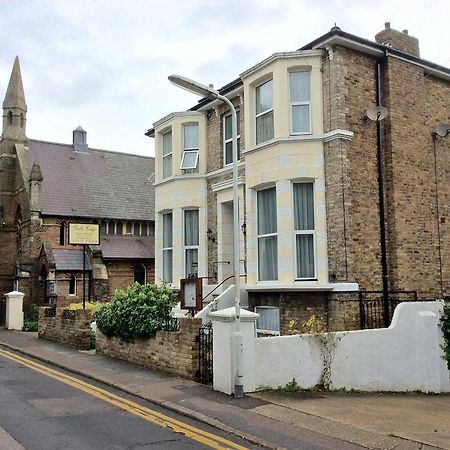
(70, 259)
(127, 247)
(97, 183)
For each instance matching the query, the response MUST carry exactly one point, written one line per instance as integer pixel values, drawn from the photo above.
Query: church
(44, 187)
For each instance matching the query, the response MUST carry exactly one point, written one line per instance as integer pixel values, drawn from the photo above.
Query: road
(44, 408)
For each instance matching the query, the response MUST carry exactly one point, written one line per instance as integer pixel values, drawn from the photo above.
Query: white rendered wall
(407, 356)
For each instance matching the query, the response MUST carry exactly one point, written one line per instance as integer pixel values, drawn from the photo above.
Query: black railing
(372, 307)
(205, 354)
(171, 324)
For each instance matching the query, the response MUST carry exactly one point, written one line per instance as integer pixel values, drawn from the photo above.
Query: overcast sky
(104, 64)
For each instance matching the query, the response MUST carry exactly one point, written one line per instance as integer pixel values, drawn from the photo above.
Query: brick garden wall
(175, 352)
(71, 328)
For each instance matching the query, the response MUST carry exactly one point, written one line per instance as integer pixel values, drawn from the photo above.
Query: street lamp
(212, 94)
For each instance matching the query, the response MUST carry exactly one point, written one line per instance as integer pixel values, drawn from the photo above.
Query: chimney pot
(405, 32)
(387, 25)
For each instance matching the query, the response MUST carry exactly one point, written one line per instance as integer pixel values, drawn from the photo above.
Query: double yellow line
(205, 438)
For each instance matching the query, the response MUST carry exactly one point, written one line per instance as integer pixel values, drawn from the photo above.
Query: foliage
(31, 318)
(292, 386)
(92, 340)
(137, 312)
(314, 325)
(445, 327)
(90, 306)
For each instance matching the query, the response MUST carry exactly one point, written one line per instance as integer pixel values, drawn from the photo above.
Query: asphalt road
(55, 410)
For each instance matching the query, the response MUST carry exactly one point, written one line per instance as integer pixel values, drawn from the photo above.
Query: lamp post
(212, 94)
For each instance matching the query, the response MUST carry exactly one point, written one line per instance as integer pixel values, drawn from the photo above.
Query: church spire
(14, 106)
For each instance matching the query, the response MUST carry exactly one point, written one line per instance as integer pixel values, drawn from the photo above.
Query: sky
(103, 64)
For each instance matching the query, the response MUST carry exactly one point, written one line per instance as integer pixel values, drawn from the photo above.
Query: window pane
(167, 143)
(191, 227)
(269, 319)
(267, 258)
(267, 211)
(167, 166)
(167, 230)
(300, 119)
(189, 160)
(305, 256)
(167, 266)
(264, 97)
(304, 206)
(191, 261)
(227, 123)
(190, 136)
(264, 127)
(300, 90)
(229, 151)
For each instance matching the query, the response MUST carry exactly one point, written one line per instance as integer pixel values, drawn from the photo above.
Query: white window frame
(305, 232)
(75, 285)
(189, 150)
(299, 103)
(167, 249)
(190, 247)
(263, 113)
(262, 331)
(258, 236)
(166, 155)
(227, 141)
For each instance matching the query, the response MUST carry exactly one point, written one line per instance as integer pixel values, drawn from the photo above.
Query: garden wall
(175, 352)
(67, 327)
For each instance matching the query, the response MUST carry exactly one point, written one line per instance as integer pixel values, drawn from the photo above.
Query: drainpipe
(380, 160)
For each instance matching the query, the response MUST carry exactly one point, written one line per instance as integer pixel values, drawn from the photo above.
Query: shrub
(137, 312)
(30, 319)
(90, 306)
(445, 326)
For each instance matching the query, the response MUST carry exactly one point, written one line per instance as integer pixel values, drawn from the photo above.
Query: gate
(205, 354)
(371, 306)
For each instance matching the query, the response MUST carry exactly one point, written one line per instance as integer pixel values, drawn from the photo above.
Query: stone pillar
(14, 313)
(224, 353)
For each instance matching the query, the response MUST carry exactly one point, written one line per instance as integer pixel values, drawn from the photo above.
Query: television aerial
(376, 113)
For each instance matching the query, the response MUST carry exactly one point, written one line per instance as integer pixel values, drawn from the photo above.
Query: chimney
(79, 140)
(398, 40)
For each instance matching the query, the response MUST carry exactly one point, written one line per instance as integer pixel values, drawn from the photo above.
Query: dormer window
(189, 160)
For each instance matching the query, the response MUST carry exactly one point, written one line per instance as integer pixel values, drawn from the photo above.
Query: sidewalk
(271, 419)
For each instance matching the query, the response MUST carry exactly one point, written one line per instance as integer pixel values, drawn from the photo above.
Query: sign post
(84, 234)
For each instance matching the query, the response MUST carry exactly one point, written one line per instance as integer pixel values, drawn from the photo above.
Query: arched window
(10, 118)
(140, 274)
(73, 285)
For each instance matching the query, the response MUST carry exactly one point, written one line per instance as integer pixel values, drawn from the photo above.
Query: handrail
(220, 284)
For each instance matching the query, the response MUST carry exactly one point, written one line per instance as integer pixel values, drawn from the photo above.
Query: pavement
(271, 419)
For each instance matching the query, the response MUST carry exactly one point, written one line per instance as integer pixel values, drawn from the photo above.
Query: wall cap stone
(228, 315)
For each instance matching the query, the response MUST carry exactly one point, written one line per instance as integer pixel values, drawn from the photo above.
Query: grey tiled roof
(70, 259)
(98, 183)
(127, 247)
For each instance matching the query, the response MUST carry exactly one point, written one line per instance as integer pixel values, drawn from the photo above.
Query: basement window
(268, 322)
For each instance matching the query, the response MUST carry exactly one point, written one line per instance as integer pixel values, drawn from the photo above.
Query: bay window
(300, 102)
(267, 234)
(228, 138)
(167, 248)
(189, 160)
(304, 230)
(167, 154)
(264, 112)
(191, 240)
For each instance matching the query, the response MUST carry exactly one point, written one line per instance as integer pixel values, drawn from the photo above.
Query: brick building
(45, 186)
(332, 202)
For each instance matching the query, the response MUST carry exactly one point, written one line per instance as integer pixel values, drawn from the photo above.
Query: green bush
(137, 312)
(445, 326)
(30, 319)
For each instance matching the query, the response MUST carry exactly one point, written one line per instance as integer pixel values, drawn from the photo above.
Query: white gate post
(14, 313)
(224, 357)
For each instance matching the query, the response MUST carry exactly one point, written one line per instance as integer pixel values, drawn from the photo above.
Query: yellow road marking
(205, 438)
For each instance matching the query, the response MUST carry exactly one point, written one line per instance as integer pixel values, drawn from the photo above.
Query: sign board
(191, 293)
(84, 234)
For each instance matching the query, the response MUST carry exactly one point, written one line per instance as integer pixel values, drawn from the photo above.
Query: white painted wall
(407, 356)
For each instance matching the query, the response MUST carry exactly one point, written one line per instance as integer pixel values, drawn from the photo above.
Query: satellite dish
(443, 129)
(376, 113)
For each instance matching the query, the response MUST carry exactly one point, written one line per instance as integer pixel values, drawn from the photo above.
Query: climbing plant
(445, 327)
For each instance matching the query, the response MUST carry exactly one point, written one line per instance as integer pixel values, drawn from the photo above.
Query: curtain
(264, 127)
(299, 85)
(267, 258)
(267, 224)
(305, 255)
(167, 266)
(191, 261)
(300, 119)
(167, 230)
(191, 227)
(191, 137)
(304, 206)
(269, 318)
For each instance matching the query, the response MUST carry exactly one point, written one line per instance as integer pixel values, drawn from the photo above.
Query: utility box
(14, 313)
